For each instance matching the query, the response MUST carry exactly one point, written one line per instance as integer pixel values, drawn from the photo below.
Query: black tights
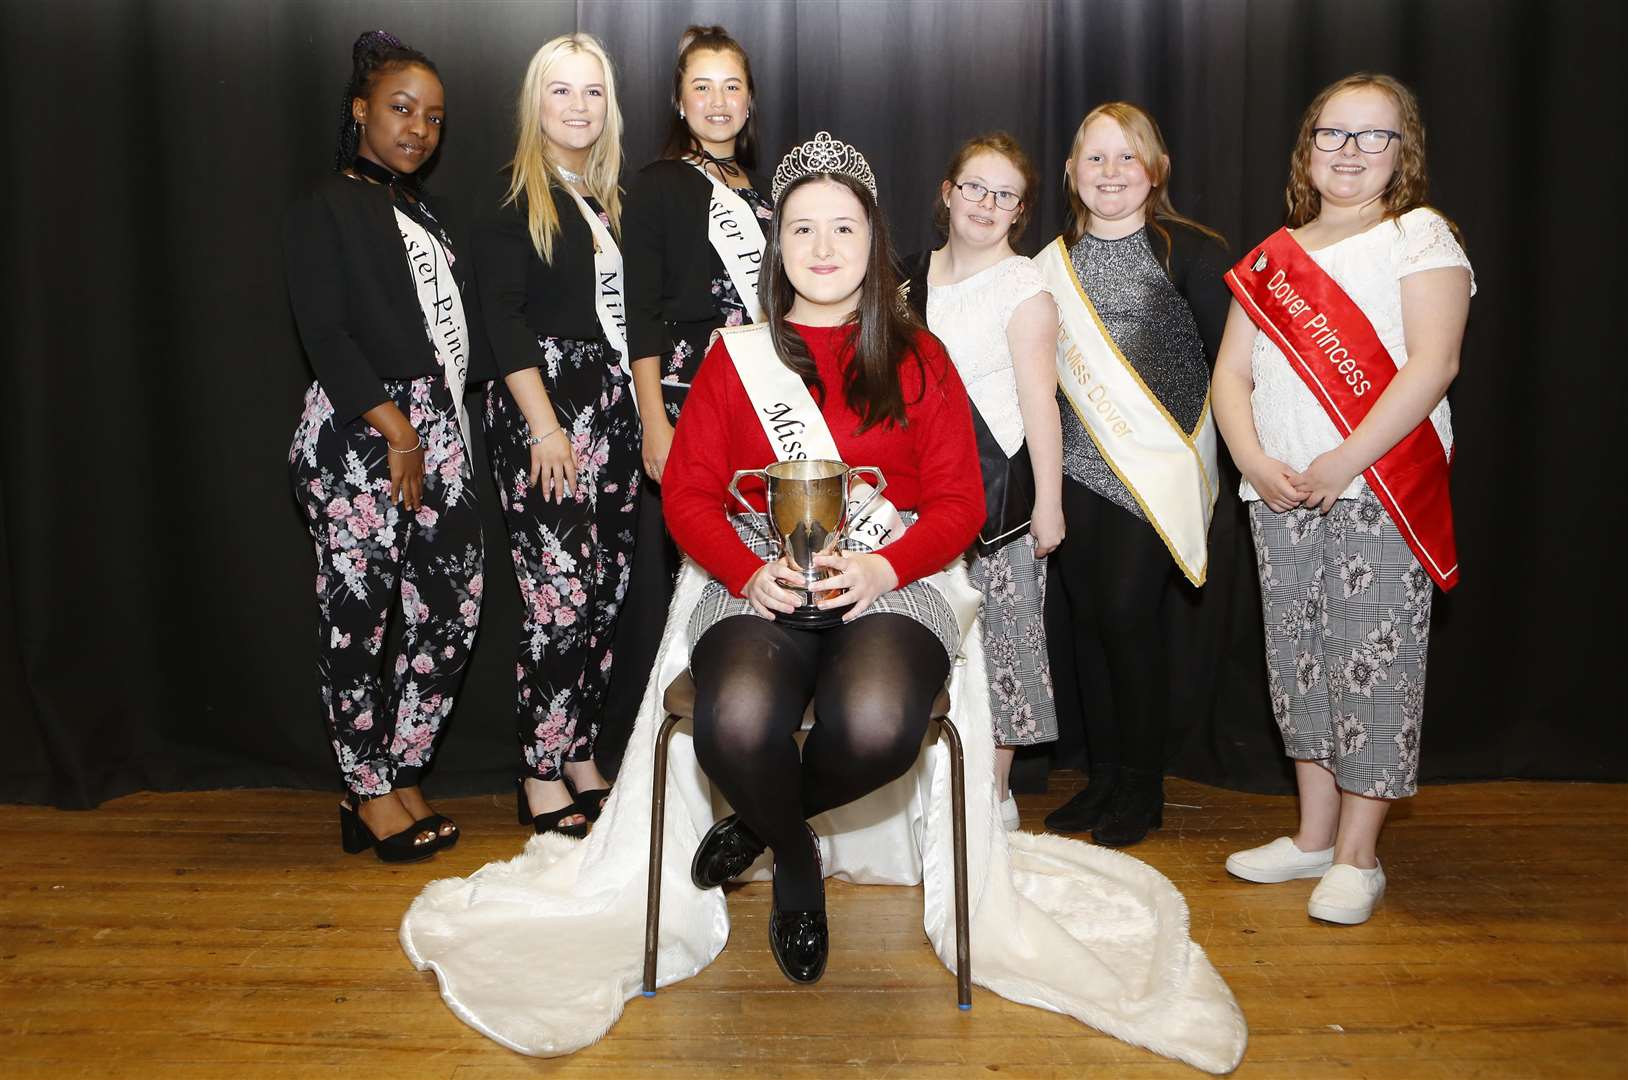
(872, 682)
(1117, 576)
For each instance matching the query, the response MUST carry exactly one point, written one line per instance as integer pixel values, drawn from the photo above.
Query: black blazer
(353, 297)
(670, 261)
(525, 298)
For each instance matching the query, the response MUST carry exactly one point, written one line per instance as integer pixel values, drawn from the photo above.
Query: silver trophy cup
(808, 515)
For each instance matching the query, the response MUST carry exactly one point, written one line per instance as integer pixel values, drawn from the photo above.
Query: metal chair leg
(658, 815)
(958, 810)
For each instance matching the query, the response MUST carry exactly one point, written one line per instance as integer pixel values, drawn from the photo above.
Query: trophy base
(810, 618)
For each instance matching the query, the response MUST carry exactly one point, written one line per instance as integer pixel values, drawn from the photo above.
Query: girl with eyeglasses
(1140, 300)
(990, 308)
(1331, 393)
(560, 425)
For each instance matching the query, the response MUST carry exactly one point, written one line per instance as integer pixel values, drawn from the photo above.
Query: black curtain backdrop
(156, 615)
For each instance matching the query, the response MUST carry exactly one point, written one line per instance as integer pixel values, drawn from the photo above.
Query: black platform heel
(435, 823)
(549, 820)
(402, 847)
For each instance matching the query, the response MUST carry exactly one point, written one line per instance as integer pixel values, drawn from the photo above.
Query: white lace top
(1369, 266)
(970, 318)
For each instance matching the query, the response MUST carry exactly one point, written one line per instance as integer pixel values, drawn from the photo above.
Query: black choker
(369, 169)
(726, 166)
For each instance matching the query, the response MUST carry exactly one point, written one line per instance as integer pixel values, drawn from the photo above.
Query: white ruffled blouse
(1370, 266)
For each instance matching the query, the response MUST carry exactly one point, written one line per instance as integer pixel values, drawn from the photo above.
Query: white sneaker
(1009, 813)
(1346, 894)
(1279, 861)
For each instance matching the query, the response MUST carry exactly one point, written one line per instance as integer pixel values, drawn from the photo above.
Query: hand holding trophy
(808, 516)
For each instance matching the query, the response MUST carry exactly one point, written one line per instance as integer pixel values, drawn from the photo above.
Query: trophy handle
(734, 486)
(876, 492)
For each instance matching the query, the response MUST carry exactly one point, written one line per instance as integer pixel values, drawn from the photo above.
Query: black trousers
(1118, 581)
(872, 682)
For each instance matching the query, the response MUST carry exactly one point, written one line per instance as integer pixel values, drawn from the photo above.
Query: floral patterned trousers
(572, 559)
(1347, 612)
(369, 553)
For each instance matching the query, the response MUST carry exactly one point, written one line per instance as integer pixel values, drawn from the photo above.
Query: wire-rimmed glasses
(974, 192)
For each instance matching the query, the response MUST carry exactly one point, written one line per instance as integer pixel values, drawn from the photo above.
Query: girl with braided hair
(379, 460)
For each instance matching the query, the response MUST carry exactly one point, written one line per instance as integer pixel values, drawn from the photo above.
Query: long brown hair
(680, 139)
(995, 142)
(886, 328)
(1143, 133)
(1409, 186)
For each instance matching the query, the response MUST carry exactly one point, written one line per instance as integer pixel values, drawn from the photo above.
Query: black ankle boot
(1136, 808)
(1085, 810)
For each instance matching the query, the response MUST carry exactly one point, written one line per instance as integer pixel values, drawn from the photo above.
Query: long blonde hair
(1145, 138)
(531, 171)
(1409, 186)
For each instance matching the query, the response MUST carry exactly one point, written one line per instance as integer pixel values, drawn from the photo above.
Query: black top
(355, 304)
(670, 261)
(525, 298)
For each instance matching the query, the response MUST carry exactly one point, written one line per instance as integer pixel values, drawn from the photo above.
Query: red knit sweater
(931, 464)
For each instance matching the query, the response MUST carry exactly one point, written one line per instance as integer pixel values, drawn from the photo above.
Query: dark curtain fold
(155, 608)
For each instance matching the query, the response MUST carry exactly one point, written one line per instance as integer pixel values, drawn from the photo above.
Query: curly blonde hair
(1409, 186)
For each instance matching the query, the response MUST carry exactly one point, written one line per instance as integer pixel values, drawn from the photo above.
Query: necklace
(369, 169)
(567, 175)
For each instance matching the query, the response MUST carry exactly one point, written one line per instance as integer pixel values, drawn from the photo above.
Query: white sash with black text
(797, 431)
(609, 302)
(736, 236)
(443, 308)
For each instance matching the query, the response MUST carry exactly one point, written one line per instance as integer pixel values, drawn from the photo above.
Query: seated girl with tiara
(848, 377)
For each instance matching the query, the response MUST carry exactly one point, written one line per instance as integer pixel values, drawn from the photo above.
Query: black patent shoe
(549, 820)
(1136, 809)
(1086, 809)
(727, 849)
(410, 845)
(800, 943)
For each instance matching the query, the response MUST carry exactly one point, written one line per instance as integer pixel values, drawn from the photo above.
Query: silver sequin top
(1153, 326)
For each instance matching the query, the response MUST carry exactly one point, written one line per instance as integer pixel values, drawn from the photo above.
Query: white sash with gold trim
(797, 430)
(1172, 475)
(609, 303)
(737, 237)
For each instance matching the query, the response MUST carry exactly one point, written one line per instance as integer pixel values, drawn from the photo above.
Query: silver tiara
(823, 154)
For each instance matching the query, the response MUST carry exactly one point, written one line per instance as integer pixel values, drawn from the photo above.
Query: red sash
(1334, 349)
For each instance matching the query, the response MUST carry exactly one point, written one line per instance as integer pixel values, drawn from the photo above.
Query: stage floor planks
(224, 934)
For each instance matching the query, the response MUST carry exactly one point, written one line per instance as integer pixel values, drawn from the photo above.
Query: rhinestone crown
(823, 154)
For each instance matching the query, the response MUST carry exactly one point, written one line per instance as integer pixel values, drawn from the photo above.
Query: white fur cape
(1056, 923)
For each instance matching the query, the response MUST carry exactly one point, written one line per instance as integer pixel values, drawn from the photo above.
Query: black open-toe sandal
(590, 803)
(402, 847)
(435, 823)
(548, 820)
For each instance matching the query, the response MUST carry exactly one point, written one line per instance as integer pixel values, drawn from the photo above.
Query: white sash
(443, 308)
(1172, 476)
(797, 430)
(608, 295)
(737, 237)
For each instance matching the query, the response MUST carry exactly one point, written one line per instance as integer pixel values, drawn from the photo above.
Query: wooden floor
(224, 935)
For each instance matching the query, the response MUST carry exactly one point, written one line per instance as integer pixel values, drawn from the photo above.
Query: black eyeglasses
(1372, 141)
(972, 191)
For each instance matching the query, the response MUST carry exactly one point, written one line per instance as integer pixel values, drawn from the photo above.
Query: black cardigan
(525, 298)
(354, 301)
(1197, 265)
(670, 261)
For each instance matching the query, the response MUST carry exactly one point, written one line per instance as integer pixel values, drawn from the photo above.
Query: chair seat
(679, 700)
